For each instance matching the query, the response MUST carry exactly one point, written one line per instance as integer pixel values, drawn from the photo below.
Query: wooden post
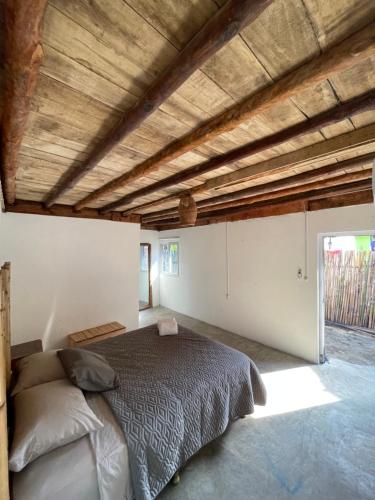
(23, 55)
(4, 376)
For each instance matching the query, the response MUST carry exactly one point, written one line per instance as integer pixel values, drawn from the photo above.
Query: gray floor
(143, 305)
(315, 439)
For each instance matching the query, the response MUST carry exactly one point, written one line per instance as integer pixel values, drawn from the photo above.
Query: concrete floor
(315, 439)
(143, 305)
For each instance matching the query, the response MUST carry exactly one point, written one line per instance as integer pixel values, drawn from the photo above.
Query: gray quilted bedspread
(175, 394)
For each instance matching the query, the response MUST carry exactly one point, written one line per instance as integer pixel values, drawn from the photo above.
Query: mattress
(96, 467)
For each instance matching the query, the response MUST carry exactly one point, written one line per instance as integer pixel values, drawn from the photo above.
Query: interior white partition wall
(266, 300)
(69, 274)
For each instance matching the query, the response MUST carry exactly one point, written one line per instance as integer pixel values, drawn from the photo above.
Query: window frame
(169, 242)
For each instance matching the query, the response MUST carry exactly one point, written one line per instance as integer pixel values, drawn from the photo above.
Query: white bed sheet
(95, 467)
(112, 459)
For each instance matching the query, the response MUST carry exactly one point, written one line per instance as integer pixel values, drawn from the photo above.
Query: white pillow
(167, 327)
(48, 416)
(36, 369)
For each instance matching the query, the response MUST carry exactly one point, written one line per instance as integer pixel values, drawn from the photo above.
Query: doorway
(145, 288)
(347, 297)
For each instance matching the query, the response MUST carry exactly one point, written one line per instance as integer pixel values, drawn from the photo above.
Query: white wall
(267, 302)
(153, 238)
(69, 274)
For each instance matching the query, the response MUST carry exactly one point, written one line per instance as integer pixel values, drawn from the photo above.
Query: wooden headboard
(5, 372)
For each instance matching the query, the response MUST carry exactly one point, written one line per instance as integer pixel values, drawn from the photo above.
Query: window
(169, 252)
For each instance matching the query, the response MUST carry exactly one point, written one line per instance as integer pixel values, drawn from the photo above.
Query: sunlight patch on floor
(293, 390)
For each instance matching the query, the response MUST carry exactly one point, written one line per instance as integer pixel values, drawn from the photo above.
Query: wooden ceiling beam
(340, 57)
(294, 180)
(23, 55)
(360, 104)
(253, 213)
(357, 198)
(338, 182)
(222, 27)
(343, 200)
(315, 152)
(341, 180)
(283, 208)
(282, 163)
(304, 198)
(38, 208)
(354, 194)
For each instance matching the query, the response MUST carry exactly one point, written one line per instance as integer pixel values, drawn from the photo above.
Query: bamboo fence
(350, 288)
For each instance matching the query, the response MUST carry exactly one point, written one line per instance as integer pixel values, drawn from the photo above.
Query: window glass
(169, 253)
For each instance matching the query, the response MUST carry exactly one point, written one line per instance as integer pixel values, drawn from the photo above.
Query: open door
(347, 297)
(145, 290)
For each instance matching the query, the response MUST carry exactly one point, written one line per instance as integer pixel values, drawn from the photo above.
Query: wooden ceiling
(291, 93)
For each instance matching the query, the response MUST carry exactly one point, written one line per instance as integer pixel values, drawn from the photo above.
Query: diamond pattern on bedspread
(175, 394)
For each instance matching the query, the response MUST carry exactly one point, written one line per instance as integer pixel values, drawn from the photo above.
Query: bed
(174, 394)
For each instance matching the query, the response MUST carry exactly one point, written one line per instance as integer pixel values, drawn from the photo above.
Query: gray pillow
(87, 370)
(36, 369)
(48, 416)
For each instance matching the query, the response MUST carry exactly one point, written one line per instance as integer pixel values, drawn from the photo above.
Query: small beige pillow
(38, 369)
(48, 416)
(167, 327)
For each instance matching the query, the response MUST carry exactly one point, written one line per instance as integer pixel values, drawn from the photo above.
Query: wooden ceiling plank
(233, 64)
(223, 26)
(110, 41)
(65, 107)
(336, 145)
(314, 194)
(253, 213)
(265, 207)
(23, 55)
(332, 20)
(315, 152)
(170, 17)
(267, 196)
(335, 115)
(339, 200)
(340, 180)
(344, 200)
(344, 55)
(294, 180)
(293, 38)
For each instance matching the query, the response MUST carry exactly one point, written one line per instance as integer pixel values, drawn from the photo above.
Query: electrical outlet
(299, 273)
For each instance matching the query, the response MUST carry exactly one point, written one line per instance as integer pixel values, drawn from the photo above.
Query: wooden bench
(96, 334)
